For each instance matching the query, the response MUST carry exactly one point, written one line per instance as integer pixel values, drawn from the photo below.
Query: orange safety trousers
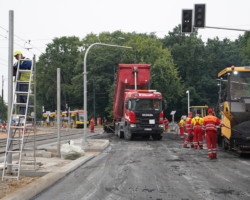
(182, 131)
(92, 125)
(211, 143)
(188, 140)
(198, 138)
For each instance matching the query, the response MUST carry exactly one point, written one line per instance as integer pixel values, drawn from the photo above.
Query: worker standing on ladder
(23, 65)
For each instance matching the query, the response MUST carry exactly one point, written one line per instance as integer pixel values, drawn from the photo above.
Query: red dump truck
(137, 110)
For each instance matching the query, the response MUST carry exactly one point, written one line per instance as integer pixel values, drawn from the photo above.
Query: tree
(178, 63)
(199, 63)
(3, 107)
(164, 75)
(244, 42)
(61, 53)
(102, 62)
(166, 79)
(188, 56)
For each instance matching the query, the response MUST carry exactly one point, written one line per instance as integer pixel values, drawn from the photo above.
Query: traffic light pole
(230, 29)
(2, 100)
(199, 20)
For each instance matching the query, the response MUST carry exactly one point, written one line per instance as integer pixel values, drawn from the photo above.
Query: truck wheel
(127, 134)
(120, 134)
(224, 144)
(157, 137)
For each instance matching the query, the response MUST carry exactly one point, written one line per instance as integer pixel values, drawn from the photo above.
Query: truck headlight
(132, 125)
(161, 125)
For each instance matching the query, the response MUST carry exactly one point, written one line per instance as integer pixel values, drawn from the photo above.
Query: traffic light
(199, 15)
(186, 26)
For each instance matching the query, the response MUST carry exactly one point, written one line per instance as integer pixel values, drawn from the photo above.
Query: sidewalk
(3, 134)
(50, 169)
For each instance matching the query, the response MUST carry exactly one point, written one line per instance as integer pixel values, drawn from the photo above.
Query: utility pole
(34, 119)
(94, 98)
(58, 111)
(2, 99)
(188, 95)
(10, 86)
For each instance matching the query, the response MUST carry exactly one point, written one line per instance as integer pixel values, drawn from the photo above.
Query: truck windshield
(240, 85)
(146, 104)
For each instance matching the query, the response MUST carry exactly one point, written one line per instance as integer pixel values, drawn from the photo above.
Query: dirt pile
(7, 186)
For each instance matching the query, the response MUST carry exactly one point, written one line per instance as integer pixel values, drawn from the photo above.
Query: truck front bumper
(147, 130)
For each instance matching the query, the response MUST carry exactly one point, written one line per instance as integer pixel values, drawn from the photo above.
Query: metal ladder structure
(19, 112)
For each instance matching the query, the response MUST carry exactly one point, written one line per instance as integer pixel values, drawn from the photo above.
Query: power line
(26, 41)
(42, 39)
(4, 36)
(4, 29)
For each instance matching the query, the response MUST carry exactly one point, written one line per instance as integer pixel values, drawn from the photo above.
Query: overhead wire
(4, 36)
(26, 41)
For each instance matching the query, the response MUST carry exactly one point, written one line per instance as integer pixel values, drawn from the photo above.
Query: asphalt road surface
(155, 170)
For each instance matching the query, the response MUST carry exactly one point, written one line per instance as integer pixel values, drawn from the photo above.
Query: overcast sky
(42, 20)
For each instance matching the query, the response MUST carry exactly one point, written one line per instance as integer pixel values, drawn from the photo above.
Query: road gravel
(157, 170)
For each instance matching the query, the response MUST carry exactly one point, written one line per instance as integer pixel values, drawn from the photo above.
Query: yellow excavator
(202, 110)
(234, 106)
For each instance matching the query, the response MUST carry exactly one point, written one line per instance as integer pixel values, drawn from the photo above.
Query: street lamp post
(2, 100)
(85, 82)
(94, 100)
(188, 100)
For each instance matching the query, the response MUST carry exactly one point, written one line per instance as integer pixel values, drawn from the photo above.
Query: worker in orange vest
(210, 123)
(197, 123)
(189, 138)
(92, 125)
(181, 127)
(166, 122)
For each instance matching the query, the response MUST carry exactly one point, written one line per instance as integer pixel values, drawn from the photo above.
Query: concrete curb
(49, 179)
(97, 148)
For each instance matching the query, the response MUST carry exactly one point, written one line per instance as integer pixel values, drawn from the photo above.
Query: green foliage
(165, 78)
(178, 63)
(244, 42)
(3, 108)
(199, 63)
(62, 53)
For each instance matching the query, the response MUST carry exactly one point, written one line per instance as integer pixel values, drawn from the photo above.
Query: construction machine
(202, 110)
(234, 105)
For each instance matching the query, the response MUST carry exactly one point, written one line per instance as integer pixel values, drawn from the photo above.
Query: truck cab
(137, 109)
(143, 114)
